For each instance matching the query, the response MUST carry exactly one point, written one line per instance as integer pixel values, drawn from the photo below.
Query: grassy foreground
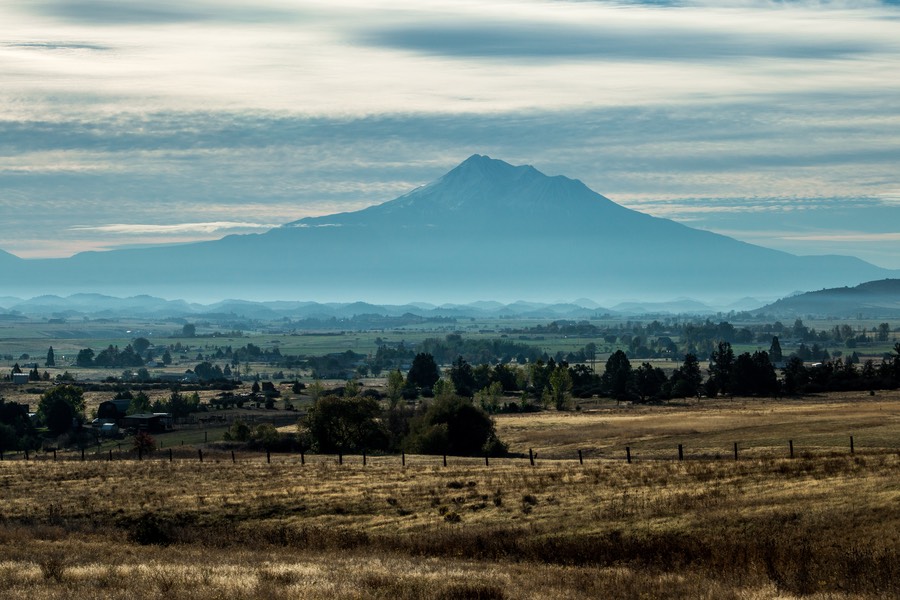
(823, 525)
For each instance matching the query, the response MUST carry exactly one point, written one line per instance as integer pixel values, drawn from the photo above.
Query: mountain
(873, 299)
(486, 229)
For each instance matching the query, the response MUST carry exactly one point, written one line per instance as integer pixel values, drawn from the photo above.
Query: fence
(627, 454)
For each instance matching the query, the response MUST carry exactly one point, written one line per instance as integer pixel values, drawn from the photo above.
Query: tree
(687, 379)
(489, 397)
(51, 358)
(775, 351)
(617, 379)
(424, 371)
(189, 330)
(166, 358)
(453, 426)
(345, 424)
(140, 404)
(61, 408)
(238, 432)
(557, 393)
(85, 358)
(721, 368)
(462, 376)
(144, 443)
(140, 345)
(648, 381)
(884, 331)
(395, 387)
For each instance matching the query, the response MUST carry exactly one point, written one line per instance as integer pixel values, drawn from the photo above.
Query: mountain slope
(871, 299)
(486, 229)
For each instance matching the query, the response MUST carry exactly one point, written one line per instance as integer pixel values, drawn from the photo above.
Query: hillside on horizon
(871, 299)
(485, 230)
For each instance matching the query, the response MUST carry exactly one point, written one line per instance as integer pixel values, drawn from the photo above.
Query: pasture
(825, 524)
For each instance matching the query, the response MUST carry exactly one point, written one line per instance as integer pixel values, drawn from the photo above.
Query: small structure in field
(152, 422)
(113, 410)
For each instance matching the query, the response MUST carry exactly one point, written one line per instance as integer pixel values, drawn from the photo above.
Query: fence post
(791, 446)
(200, 454)
(302, 459)
(403, 459)
(486, 460)
(232, 457)
(82, 453)
(531, 457)
(54, 454)
(364, 458)
(110, 455)
(26, 453)
(680, 452)
(851, 446)
(268, 457)
(445, 460)
(140, 453)
(205, 436)
(340, 458)
(628, 454)
(735, 451)
(1, 455)
(580, 459)
(170, 455)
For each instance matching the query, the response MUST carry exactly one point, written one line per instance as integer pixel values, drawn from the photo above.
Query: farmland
(823, 524)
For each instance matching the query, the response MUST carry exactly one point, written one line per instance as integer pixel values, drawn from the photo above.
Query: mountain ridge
(485, 229)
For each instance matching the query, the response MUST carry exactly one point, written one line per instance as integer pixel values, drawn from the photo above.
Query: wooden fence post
(486, 460)
(580, 459)
(110, 455)
(54, 454)
(735, 451)
(531, 457)
(680, 452)
(82, 453)
(200, 453)
(364, 458)
(852, 450)
(445, 460)
(791, 446)
(170, 455)
(26, 453)
(628, 454)
(233, 461)
(403, 459)
(268, 457)
(340, 458)
(140, 453)
(302, 459)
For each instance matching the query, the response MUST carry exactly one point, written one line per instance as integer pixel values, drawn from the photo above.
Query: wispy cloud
(176, 229)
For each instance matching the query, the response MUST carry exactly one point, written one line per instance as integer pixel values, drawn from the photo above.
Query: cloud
(656, 43)
(176, 229)
(844, 237)
(159, 12)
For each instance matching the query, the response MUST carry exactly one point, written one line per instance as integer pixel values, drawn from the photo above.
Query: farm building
(113, 409)
(20, 378)
(154, 422)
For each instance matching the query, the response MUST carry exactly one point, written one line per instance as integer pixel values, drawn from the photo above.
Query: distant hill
(486, 229)
(873, 299)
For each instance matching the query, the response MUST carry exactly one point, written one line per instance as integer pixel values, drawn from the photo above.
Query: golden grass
(761, 427)
(824, 525)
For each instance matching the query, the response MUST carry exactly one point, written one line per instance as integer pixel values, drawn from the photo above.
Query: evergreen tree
(775, 351)
(51, 358)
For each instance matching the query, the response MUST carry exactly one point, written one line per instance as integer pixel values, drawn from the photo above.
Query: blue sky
(128, 123)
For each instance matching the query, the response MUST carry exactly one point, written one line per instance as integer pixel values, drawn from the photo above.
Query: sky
(126, 123)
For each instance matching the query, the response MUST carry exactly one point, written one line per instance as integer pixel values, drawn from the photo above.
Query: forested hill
(871, 299)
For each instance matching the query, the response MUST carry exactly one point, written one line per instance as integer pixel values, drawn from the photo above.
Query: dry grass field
(825, 525)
